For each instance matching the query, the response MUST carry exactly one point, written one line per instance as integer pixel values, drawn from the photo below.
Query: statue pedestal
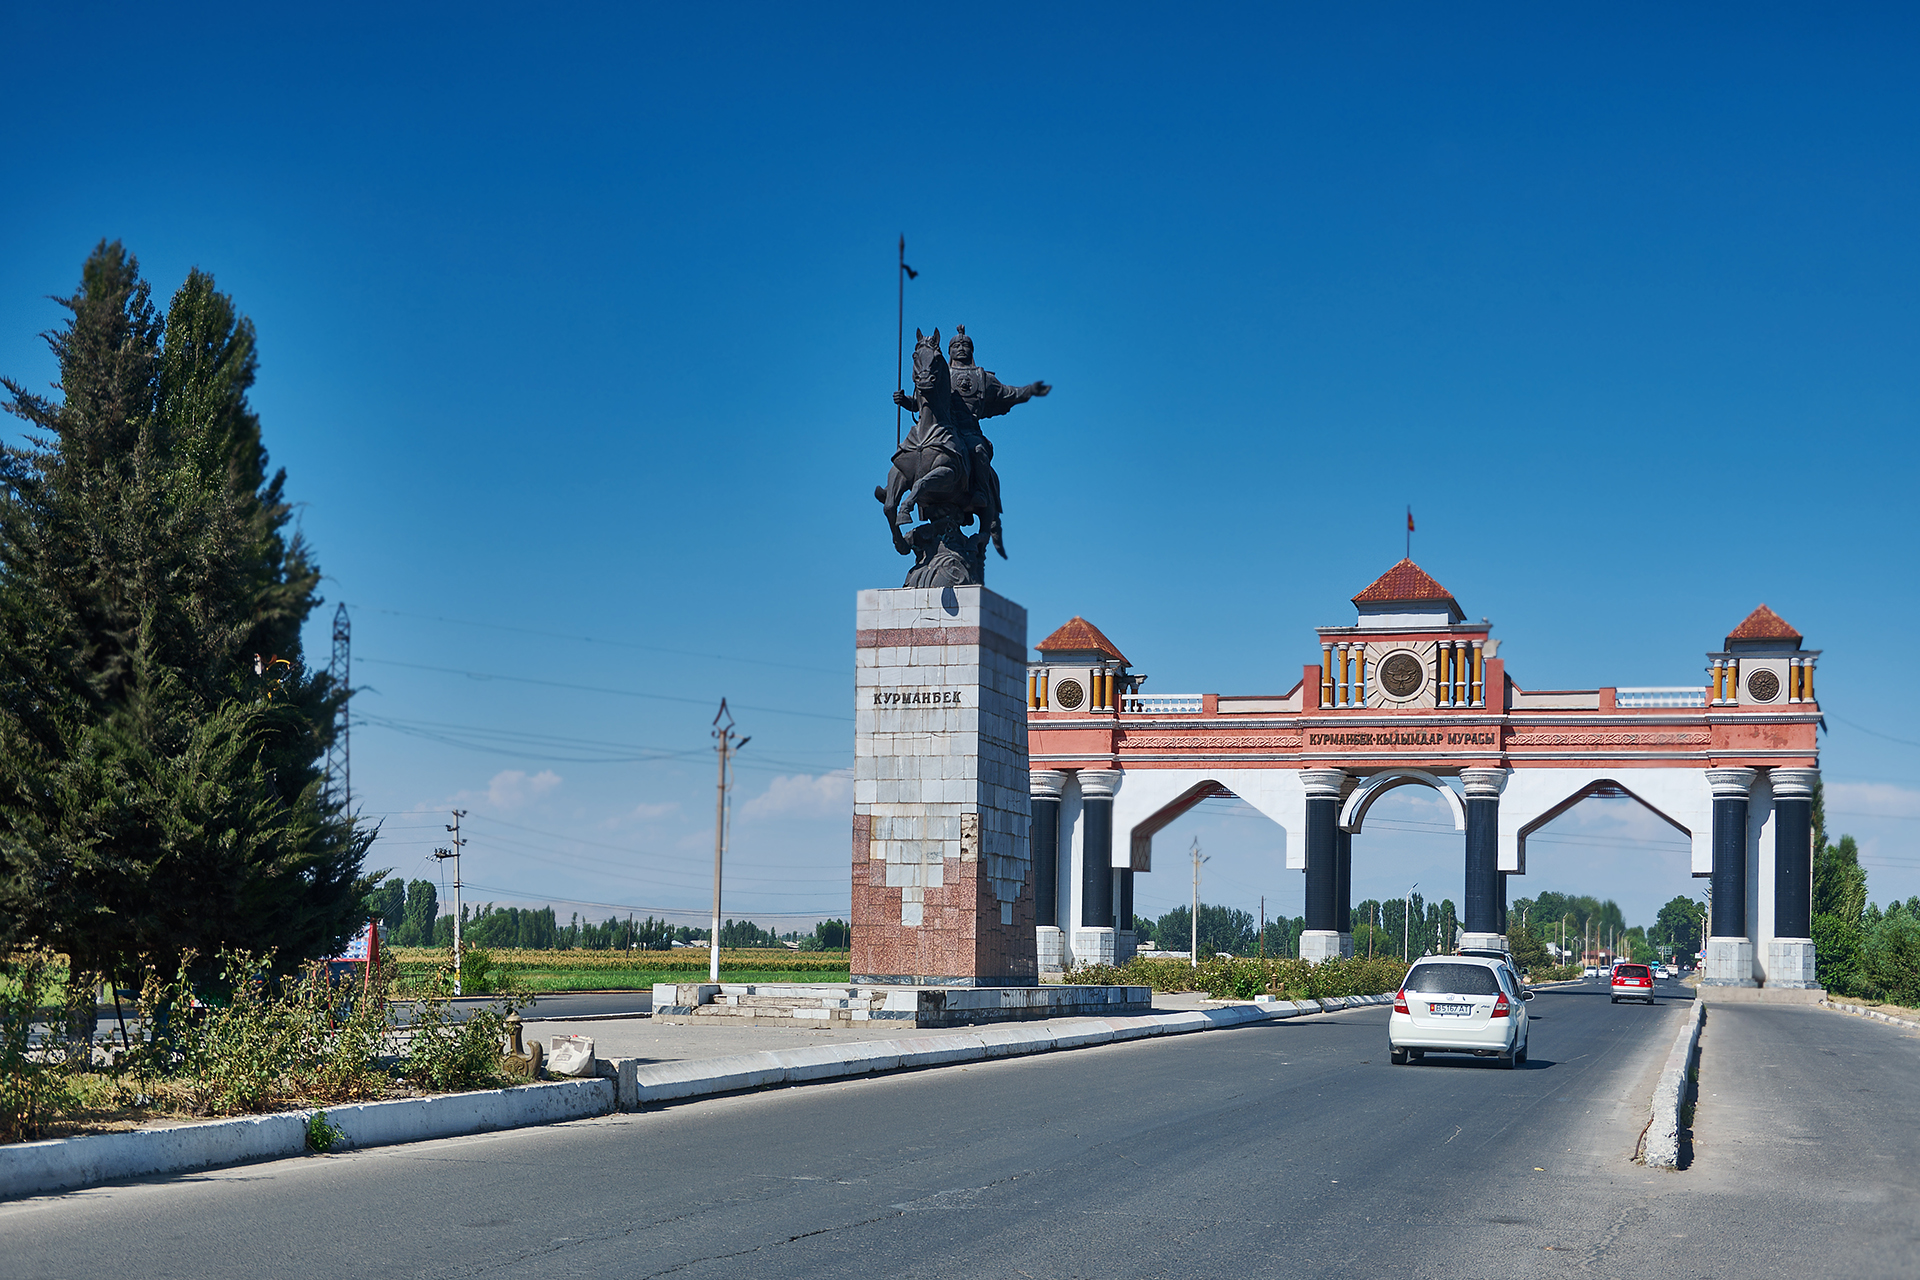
(942, 883)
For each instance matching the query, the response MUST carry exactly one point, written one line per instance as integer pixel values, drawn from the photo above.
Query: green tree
(1677, 927)
(423, 906)
(160, 737)
(1839, 915)
(389, 903)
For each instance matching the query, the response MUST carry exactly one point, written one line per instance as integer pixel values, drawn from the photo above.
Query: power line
(540, 745)
(592, 688)
(617, 644)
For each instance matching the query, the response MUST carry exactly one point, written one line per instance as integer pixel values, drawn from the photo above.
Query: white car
(1458, 1004)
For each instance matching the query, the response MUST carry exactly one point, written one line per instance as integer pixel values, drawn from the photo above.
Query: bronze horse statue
(932, 469)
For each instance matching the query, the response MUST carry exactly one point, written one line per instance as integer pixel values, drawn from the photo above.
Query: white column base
(1790, 964)
(1729, 963)
(1051, 943)
(1319, 944)
(1094, 946)
(1484, 941)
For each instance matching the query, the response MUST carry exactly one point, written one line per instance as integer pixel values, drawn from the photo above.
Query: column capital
(1099, 783)
(1323, 784)
(1045, 784)
(1484, 784)
(1731, 784)
(1793, 784)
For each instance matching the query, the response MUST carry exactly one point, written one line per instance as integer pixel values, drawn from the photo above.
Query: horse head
(930, 375)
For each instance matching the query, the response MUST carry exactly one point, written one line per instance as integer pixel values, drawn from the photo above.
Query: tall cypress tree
(160, 736)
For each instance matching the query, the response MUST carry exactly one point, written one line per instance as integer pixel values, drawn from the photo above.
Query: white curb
(1663, 1133)
(1840, 1006)
(62, 1164)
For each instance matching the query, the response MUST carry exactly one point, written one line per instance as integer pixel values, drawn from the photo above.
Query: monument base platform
(829, 1004)
(1760, 995)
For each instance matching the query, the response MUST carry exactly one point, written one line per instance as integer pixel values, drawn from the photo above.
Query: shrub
(1242, 979)
(253, 1039)
(444, 1053)
(33, 1084)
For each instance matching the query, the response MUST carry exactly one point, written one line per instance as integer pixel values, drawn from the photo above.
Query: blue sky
(577, 331)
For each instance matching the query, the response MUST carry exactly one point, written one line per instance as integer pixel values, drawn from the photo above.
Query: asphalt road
(1288, 1148)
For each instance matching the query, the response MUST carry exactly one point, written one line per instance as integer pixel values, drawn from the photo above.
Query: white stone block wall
(940, 737)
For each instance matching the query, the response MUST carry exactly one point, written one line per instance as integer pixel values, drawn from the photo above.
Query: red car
(1632, 982)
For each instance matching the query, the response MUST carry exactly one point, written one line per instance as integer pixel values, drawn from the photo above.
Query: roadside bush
(33, 1084)
(252, 1039)
(1243, 979)
(444, 1053)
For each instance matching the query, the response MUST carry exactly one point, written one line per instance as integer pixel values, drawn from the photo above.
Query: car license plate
(1450, 1010)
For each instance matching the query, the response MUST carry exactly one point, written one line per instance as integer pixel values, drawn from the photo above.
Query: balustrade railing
(1161, 703)
(1683, 696)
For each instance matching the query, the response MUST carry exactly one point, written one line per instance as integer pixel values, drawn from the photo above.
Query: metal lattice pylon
(339, 764)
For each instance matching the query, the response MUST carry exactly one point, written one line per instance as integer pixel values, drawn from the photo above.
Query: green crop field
(538, 971)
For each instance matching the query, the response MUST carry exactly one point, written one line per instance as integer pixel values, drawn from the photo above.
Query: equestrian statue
(944, 468)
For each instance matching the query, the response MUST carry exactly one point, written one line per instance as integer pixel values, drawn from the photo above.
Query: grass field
(538, 971)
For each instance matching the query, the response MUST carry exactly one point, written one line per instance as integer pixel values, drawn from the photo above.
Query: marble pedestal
(942, 883)
(1483, 941)
(1729, 963)
(1319, 944)
(1790, 964)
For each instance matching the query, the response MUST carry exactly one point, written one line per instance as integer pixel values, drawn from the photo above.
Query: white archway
(1535, 797)
(1354, 812)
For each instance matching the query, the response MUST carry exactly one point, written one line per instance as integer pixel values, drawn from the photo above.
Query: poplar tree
(160, 734)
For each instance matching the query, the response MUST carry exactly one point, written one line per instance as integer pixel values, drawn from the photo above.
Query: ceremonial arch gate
(1412, 694)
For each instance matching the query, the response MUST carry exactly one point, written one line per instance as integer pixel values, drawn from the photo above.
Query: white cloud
(828, 795)
(514, 788)
(1870, 800)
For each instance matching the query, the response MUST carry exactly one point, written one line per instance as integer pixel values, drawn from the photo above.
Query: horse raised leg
(889, 497)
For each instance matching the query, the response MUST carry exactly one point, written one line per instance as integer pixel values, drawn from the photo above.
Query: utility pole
(1193, 947)
(1406, 927)
(454, 853)
(724, 745)
(340, 675)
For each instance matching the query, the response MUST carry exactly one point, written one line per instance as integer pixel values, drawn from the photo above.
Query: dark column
(1044, 840)
(1125, 875)
(1323, 849)
(1730, 850)
(1343, 880)
(1793, 852)
(1096, 863)
(1504, 891)
(1483, 848)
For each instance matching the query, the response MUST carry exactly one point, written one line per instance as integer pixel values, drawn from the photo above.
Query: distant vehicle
(1668, 971)
(1632, 982)
(1458, 1004)
(1593, 971)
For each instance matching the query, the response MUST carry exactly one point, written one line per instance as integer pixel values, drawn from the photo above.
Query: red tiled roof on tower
(1081, 636)
(1763, 624)
(1405, 581)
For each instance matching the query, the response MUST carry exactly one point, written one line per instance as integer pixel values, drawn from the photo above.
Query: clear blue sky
(577, 335)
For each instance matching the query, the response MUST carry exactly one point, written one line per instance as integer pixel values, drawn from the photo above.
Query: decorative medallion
(1401, 675)
(1763, 686)
(1069, 694)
